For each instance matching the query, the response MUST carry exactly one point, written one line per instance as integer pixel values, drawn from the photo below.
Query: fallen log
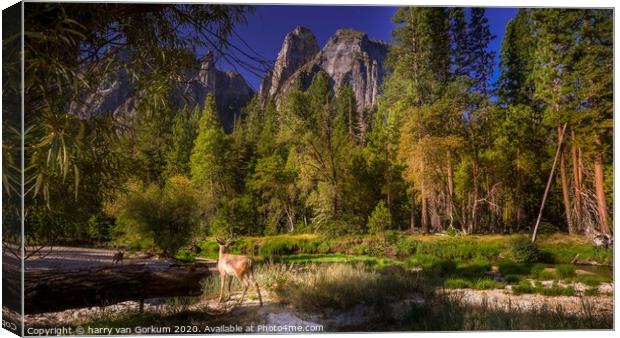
(61, 289)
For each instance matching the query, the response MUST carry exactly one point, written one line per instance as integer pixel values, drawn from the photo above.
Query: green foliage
(512, 279)
(380, 220)
(525, 286)
(592, 281)
(184, 256)
(487, 284)
(342, 286)
(523, 250)
(508, 267)
(166, 215)
(184, 132)
(288, 245)
(457, 283)
(565, 270)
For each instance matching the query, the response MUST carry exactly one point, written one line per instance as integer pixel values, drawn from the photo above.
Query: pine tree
(481, 59)
(209, 159)
(184, 132)
(460, 42)
(151, 141)
(516, 58)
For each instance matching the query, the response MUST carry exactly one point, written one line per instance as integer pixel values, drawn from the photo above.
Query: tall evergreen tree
(184, 132)
(460, 42)
(209, 163)
(516, 58)
(481, 58)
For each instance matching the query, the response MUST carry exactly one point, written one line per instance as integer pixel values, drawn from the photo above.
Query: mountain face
(349, 58)
(114, 96)
(298, 48)
(230, 90)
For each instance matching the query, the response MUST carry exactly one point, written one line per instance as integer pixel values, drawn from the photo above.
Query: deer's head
(224, 244)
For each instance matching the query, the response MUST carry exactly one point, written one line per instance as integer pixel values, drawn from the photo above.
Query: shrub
(392, 236)
(379, 220)
(512, 279)
(591, 281)
(342, 286)
(100, 228)
(209, 248)
(360, 249)
(525, 286)
(474, 269)
(451, 231)
(508, 267)
(184, 256)
(487, 284)
(376, 249)
(593, 291)
(457, 283)
(166, 215)
(323, 248)
(522, 250)
(556, 290)
(565, 270)
(547, 275)
(537, 269)
(405, 246)
(424, 262)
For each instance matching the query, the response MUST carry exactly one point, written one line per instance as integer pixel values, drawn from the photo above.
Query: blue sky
(266, 28)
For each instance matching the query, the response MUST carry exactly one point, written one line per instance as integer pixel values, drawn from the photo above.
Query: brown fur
(238, 266)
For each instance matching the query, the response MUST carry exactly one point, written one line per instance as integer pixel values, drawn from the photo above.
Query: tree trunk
(544, 199)
(450, 189)
(564, 184)
(424, 213)
(412, 213)
(599, 182)
(61, 289)
(576, 183)
(474, 205)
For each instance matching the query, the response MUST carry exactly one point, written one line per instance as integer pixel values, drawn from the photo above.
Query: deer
(118, 257)
(238, 266)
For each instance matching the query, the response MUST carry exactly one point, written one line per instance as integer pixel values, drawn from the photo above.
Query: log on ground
(56, 290)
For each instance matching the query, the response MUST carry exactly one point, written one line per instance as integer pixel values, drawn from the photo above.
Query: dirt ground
(71, 258)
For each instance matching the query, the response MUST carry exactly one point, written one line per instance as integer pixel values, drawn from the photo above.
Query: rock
(298, 48)
(117, 95)
(349, 58)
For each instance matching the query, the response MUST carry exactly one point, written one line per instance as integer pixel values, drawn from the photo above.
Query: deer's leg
(246, 285)
(222, 280)
(230, 279)
(260, 299)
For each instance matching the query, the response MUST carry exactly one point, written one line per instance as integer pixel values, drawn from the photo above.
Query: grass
(565, 270)
(457, 283)
(368, 261)
(550, 248)
(460, 257)
(591, 280)
(487, 284)
(449, 313)
(526, 287)
(509, 267)
(339, 286)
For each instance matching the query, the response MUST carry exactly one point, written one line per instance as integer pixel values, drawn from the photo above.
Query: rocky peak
(117, 95)
(298, 48)
(349, 58)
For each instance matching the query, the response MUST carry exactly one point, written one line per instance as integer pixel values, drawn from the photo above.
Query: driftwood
(577, 261)
(56, 290)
